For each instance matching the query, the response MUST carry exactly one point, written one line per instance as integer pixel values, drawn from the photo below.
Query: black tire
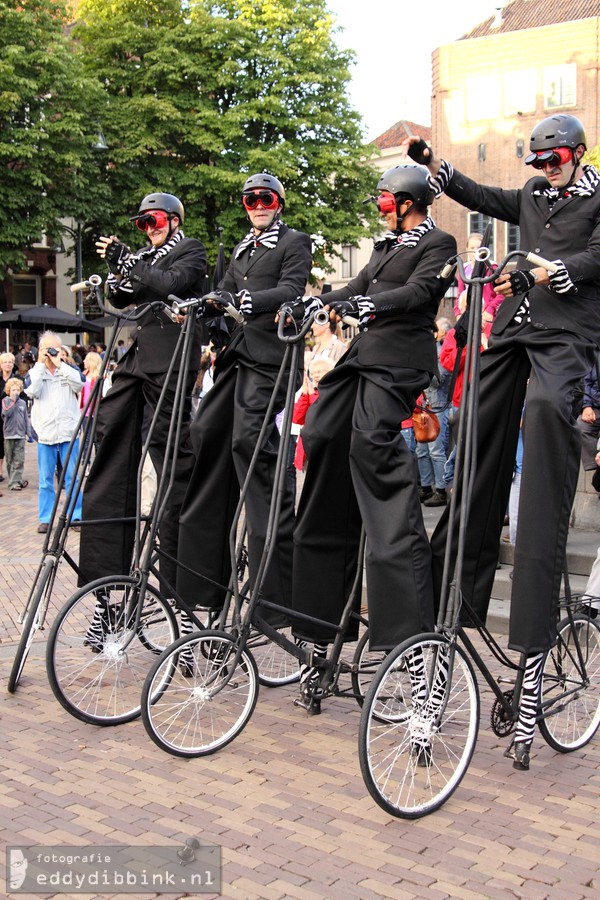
(100, 682)
(193, 702)
(570, 697)
(365, 664)
(275, 665)
(419, 726)
(33, 621)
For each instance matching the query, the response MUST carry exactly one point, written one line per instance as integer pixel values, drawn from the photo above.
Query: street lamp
(76, 234)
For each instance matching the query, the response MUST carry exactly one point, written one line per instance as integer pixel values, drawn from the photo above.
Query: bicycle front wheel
(96, 659)
(570, 687)
(196, 699)
(419, 726)
(34, 620)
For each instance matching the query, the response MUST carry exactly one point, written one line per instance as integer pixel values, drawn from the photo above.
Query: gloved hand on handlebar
(520, 281)
(216, 301)
(361, 308)
(117, 255)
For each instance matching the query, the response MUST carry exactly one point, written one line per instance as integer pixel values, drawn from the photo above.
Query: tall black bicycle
(195, 712)
(55, 549)
(420, 717)
(104, 638)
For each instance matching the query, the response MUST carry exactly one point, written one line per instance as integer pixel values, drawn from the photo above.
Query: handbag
(426, 424)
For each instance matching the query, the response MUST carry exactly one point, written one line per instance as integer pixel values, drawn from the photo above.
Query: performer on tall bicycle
(270, 266)
(543, 342)
(360, 470)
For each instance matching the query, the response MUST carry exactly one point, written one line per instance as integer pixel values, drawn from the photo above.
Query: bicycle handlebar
(322, 318)
(482, 255)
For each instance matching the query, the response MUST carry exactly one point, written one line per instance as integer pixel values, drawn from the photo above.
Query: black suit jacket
(181, 272)
(272, 277)
(404, 285)
(570, 231)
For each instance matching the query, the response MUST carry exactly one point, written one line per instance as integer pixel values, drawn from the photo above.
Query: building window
(519, 89)
(513, 238)
(560, 85)
(483, 98)
(26, 290)
(348, 261)
(477, 223)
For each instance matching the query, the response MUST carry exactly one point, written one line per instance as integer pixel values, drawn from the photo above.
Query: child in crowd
(309, 395)
(16, 430)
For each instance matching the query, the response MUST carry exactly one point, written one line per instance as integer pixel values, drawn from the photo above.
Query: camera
(52, 351)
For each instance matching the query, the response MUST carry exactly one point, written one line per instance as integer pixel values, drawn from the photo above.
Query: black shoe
(43, 528)
(519, 753)
(422, 754)
(438, 498)
(424, 494)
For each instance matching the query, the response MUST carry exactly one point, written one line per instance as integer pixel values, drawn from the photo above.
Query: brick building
(489, 88)
(535, 58)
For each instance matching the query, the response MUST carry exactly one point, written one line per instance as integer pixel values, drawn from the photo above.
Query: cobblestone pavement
(285, 801)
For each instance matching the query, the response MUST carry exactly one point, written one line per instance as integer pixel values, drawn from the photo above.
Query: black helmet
(557, 131)
(410, 181)
(167, 202)
(264, 180)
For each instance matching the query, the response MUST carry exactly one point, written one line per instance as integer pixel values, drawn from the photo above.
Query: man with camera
(54, 386)
(170, 263)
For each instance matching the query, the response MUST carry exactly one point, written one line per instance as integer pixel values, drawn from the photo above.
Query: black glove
(420, 152)
(216, 301)
(344, 308)
(116, 255)
(521, 281)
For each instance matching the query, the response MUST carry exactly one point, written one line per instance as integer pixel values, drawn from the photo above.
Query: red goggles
(555, 157)
(156, 219)
(267, 199)
(386, 203)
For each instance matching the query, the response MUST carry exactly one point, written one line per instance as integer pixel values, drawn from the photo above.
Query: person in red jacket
(308, 396)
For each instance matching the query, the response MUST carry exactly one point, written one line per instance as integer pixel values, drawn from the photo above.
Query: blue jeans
(431, 457)
(48, 454)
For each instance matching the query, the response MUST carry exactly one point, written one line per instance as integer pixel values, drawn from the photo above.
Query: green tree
(48, 109)
(199, 96)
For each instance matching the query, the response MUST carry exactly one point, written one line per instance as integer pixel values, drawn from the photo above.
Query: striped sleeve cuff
(438, 183)
(560, 281)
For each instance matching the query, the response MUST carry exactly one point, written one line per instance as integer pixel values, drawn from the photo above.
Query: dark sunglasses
(556, 157)
(267, 199)
(157, 219)
(386, 203)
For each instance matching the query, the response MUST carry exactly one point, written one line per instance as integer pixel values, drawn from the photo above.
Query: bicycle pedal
(312, 705)
(423, 754)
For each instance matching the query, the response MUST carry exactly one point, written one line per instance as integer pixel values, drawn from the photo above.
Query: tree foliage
(47, 126)
(199, 96)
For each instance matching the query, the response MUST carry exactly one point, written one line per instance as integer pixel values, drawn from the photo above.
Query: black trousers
(110, 491)
(361, 471)
(224, 435)
(554, 362)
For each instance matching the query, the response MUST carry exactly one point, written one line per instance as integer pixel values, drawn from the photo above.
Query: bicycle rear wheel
(275, 665)
(95, 662)
(419, 726)
(570, 693)
(194, 702)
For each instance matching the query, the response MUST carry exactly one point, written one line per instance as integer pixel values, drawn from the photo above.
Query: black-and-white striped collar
(583, 187)
(406, 238)
(267, 238)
